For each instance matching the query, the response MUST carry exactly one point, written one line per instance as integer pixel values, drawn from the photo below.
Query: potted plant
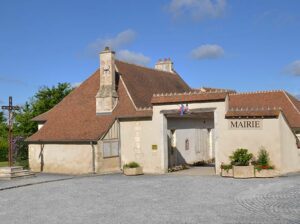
(240, 161)
(262, 165)
(226, 170)
(132, 169)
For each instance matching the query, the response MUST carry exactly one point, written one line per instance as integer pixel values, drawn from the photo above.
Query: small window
(110, 149)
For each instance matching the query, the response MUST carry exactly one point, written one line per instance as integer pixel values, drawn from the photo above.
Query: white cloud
(276, 17)
(1, 102)
(120, 40)
(294, 68)
(197, 9)
(133, 57)
(207, 51)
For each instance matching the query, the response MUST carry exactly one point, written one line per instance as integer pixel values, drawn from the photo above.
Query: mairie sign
(245, 124)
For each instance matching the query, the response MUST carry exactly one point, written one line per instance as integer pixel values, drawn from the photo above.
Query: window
(110, 148)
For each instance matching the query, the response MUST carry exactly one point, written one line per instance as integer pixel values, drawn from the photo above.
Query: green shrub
(226, 167)
(131, 165)
(263, 157)
(263, 160)
(3, 150)
(240, 157)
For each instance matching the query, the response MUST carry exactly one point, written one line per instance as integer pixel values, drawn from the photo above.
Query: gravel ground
(154, 199)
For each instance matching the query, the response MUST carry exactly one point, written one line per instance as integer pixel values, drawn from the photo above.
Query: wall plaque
(154, 147)
(245, 124)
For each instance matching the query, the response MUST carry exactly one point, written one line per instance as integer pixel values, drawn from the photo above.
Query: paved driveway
(154, 199)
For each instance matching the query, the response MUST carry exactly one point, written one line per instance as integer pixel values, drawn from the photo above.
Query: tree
(3, 138)
(45, 99)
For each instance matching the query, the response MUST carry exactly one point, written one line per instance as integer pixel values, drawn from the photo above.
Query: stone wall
(61, 158)
(137, 139)
(289, 150)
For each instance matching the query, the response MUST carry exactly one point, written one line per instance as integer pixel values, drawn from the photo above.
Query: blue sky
(242, 45)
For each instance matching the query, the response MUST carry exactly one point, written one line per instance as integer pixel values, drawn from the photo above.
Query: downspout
(93, 158)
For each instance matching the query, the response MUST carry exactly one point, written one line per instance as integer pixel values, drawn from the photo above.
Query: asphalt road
(153, 199)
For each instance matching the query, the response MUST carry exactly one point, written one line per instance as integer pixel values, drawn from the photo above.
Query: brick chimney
(164, 65)
(107, 97)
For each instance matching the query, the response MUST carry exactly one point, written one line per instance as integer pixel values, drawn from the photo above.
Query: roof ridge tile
(189, 93)
(285, 93)
(257, 92)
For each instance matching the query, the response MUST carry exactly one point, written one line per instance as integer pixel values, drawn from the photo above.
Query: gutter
(60, 141)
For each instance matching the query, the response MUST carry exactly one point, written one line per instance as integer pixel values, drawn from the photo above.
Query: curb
(34, 183)
(55, 180)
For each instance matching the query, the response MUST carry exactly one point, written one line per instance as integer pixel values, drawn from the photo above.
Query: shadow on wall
(41, 156)
(175, 158)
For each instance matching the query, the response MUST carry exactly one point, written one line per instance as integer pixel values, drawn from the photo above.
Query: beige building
(125, 112)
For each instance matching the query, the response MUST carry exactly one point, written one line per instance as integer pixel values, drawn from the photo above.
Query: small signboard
(154, 147)
(245, 124)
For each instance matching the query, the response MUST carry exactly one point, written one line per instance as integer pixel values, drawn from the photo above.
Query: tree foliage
(3, 138)
(45, 99)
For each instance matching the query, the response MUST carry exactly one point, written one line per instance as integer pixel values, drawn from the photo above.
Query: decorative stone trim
(255, 92)
(197, 92)
(238, 109)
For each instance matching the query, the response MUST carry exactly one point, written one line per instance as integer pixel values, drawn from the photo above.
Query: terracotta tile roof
(41, 117)
(74, 118)
(252, 113)
(294, 100)
(265, 101)
(195, 96)
(143, 82)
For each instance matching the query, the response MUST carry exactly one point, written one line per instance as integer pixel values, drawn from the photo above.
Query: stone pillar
(106, 98)
(164, 143)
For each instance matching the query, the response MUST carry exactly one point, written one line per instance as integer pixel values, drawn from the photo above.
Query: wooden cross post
(10, 109)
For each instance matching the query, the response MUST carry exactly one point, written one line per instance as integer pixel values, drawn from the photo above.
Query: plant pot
(133, 171)
(226, 173)
(243, 171)
(266, 173)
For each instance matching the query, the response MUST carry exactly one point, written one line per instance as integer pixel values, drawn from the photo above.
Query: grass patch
(3, 163)
(23, 163)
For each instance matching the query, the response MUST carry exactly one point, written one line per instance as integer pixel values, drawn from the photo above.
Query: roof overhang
(77, 142)
(191, 97)
(252, 113)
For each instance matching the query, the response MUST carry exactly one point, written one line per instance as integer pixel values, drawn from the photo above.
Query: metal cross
(10, 109)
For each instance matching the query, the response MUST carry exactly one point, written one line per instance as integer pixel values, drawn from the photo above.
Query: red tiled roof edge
(266, 100)
(245, 112)
(193, 96)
